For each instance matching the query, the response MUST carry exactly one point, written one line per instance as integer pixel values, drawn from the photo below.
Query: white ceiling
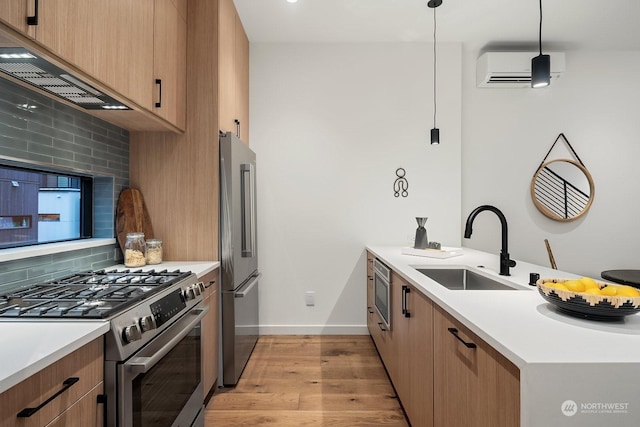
(567, 24)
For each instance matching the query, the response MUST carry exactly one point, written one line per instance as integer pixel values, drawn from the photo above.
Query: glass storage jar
(135, 250)
(154, 251)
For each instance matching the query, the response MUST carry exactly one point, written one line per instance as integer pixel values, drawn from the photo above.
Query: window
(39, 207)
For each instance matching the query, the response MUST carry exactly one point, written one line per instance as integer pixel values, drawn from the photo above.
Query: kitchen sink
(463, 279)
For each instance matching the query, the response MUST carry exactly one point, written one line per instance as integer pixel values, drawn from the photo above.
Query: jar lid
(135, 235)
(154, 241)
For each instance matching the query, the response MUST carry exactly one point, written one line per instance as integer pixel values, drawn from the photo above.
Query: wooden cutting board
(132, 216)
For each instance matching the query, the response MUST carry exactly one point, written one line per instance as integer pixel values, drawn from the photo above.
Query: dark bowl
(585, 306)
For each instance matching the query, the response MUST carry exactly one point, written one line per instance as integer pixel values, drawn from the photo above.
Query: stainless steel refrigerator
(238, 255)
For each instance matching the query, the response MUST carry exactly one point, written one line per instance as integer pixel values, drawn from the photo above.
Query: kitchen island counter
(560, 358)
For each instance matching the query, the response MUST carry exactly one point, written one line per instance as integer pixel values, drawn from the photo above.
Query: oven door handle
(140, 365)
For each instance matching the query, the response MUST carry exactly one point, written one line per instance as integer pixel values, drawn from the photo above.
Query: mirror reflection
(562, 189)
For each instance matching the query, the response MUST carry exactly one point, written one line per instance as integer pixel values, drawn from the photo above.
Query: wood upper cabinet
(210, 335)
(15, 12)
(110, 40)
(74, 382)
(473, 385)
(233, 69)
(135, 49)
(170, 61)
(411, 365)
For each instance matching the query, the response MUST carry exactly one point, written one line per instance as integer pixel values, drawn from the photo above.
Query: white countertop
(520, 324)
(29, 346)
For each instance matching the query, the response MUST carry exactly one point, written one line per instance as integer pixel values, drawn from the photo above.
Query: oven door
(161, 384)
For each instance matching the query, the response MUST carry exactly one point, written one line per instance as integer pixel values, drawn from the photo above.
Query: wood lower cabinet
(210, 333)
(83, 413)
(474, 384)
(73, 405)
(412, 355)
(440, 381)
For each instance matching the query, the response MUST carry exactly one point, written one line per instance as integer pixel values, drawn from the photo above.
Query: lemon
(593, 291)
(575, 285)
(628, 291)
(589, 283)
(560, 286)
(609, 290)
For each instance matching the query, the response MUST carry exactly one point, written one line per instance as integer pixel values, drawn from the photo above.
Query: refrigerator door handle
(248, 209)
(248, 287)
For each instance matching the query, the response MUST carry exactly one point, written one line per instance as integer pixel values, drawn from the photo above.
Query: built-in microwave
(382, 292)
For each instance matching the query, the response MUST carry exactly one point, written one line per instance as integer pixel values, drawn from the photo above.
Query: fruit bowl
(592, 306)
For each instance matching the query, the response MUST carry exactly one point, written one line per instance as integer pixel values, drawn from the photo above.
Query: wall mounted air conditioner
(513, 69)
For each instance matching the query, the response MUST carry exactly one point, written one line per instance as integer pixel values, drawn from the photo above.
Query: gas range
(138, 304)
(154, 318)
(87, 295)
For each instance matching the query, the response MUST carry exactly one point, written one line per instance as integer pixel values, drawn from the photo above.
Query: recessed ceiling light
(292, 1)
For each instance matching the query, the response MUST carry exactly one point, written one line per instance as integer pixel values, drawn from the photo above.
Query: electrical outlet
(310, 298)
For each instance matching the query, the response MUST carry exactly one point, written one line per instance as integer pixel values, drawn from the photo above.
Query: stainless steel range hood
(25, 66)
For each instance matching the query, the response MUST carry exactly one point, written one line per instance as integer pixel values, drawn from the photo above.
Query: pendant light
(435, 132)
(541, 64)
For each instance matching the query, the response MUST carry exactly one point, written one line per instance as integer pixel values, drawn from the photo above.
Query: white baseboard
(314, 330)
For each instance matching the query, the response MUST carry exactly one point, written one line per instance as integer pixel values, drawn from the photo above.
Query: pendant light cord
(540, 29)
(434, 66)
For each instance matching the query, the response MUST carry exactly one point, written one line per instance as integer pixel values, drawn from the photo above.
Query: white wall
(330, 124)
(506, 134)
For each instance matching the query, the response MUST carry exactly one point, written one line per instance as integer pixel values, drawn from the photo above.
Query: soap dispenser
(421, 241)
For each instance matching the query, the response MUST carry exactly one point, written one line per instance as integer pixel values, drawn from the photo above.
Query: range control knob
(131, 333)
(147, 323)
(189, 294)
(200, 286)
(196, 289)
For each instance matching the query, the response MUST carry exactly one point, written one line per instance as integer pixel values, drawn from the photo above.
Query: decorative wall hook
(400, 185)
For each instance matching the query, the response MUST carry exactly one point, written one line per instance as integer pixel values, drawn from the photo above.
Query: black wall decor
(400, 185)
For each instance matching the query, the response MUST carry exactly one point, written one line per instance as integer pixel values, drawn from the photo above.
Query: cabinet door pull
(381, 326)
(27, 412)
(159, 83)
(454, 332)
(33, 20)
(101, 399)
(405, 291)
(369, 310)
(237, 122)
(370, 277)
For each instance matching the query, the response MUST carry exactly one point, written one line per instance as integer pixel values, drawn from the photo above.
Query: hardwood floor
(336, 381)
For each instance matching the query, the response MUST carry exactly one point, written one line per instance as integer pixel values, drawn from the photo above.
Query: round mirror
(562, 189)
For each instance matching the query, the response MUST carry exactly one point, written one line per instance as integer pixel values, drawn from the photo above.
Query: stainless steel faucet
(505, 262)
